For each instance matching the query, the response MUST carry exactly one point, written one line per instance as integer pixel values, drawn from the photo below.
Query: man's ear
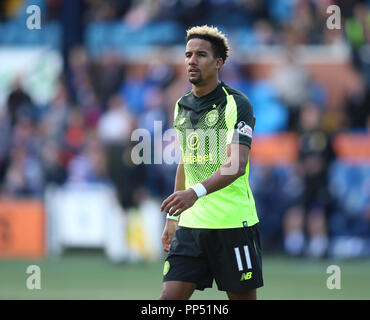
(219, 63)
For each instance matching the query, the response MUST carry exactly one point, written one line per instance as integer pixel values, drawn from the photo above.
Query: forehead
(198, 45)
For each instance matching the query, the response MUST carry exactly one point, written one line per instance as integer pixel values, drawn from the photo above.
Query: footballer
(211, 232)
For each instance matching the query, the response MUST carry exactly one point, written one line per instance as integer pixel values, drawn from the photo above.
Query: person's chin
(195, 80)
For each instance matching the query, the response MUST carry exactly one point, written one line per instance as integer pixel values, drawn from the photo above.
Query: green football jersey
(205, 126)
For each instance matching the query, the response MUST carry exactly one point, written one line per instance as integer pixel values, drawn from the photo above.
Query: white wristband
(176, 218)
(199, 189)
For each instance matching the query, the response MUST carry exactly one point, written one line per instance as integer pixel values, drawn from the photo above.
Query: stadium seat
(245, 37)
(275, 189)
(122, 37)
(15, 34)
(349, 184)
(281, 11)
(271, 113)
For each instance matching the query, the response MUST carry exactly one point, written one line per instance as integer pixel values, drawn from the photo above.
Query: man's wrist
(174, 218)
(199, 190)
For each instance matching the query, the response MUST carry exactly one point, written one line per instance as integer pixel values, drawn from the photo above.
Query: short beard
(196, 81)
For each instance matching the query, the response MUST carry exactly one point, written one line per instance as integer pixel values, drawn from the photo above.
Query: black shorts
(232, 257)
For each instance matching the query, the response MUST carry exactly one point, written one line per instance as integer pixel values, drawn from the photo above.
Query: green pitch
(92, 276)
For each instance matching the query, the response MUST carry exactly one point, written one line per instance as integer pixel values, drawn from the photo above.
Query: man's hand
(168, 233)
(179, 201)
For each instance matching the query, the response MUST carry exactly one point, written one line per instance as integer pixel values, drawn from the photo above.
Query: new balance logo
(246, 276)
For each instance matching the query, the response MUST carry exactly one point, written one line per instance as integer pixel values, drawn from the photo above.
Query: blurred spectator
(88, 166)
(54, 172)
(5, 134)
(23, 177)
(154, 120)
(55, 115)
(254, 11)
(357, 26)
(358, 29)
(92, 111)
(114, 130)
(80, 81)
(107, 76)
(19, 103)
(141, 13)
(188, 12)
(292, 75)
(277, 190)
(154, 111)
(310, 217)
(108, 10)
(116, 124)
(357, 109)
(134, 88)
(349, 186)
(235, 75)
(75, 135)
(264, 33)
(161, 74)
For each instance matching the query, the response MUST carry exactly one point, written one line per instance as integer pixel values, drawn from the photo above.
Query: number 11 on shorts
(239, 259)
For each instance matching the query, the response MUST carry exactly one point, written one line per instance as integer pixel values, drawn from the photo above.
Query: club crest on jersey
(244, 129)
(193, 141)
(211, 117)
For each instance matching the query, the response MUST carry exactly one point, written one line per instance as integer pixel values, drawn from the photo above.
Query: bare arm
(180, 178)
(234, 168)
(171, 225)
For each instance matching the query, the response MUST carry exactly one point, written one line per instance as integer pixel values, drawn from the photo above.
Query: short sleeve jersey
(205, 126)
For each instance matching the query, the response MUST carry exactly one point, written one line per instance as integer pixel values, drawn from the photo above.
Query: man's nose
(192, 60)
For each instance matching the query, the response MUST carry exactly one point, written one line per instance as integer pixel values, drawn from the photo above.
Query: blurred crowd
(83, 134)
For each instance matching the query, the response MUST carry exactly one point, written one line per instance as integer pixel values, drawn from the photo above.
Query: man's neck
(202, 90)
